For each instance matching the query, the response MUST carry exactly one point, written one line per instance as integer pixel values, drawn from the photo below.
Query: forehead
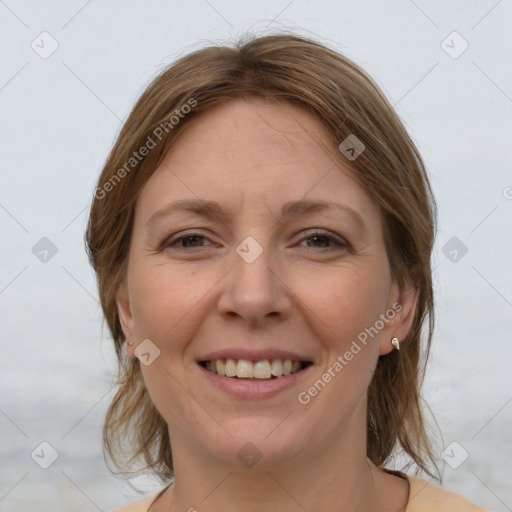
(252, 153)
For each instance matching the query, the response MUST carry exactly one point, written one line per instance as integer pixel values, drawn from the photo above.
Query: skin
(302, 294)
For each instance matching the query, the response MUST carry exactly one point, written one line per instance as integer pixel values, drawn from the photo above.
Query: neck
(333, 475)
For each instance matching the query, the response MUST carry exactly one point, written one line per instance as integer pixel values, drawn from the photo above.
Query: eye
(318, 238)
(192, 239)
(322, 237)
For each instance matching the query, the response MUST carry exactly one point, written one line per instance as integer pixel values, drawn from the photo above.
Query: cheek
(162, 298)
(165, 303)
(347, 302)
(352, 302)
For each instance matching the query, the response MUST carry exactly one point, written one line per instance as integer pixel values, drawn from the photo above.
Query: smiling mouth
(243, 369)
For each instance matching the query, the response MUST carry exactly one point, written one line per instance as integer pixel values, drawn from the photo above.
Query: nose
(255, 291)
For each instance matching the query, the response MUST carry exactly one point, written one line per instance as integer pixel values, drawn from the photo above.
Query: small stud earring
(395, 343)
(129, 343)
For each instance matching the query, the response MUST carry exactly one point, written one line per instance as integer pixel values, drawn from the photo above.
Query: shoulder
(139, 506)
(425, 496)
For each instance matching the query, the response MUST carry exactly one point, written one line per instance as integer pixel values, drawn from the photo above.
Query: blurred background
(70, 72)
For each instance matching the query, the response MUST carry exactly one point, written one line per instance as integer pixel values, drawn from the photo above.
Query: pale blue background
(59, 117)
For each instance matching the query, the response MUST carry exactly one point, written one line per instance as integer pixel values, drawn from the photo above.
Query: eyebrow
(212, 209)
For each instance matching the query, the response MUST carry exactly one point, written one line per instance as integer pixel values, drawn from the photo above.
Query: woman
(262, 233)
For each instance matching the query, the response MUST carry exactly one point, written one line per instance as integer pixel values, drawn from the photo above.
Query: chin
(259, 444)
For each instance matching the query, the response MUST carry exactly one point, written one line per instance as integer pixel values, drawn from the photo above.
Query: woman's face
(244, 282)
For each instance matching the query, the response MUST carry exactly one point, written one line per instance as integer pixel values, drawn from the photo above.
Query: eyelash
(340, 242)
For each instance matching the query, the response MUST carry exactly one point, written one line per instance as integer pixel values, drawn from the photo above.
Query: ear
(403, 302)
(126, 317)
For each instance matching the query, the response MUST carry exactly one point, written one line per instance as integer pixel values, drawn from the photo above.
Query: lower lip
(254, 389)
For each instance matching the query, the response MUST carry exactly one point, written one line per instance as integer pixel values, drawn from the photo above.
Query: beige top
(424, 496)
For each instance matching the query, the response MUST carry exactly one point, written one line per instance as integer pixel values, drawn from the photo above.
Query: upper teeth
(244, 368)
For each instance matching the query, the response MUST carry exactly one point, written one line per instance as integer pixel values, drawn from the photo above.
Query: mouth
(260, 370)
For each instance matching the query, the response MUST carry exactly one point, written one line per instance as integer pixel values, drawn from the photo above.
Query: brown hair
(281, 67)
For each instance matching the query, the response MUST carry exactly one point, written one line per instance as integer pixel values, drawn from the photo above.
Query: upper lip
(253, 355)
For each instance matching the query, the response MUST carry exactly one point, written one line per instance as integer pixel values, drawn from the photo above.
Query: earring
(129, 342)
(395, 343)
